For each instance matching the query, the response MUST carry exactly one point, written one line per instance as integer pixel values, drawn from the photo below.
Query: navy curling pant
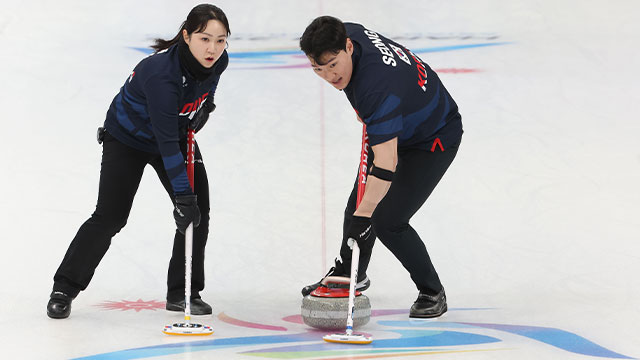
(417, 174)
(120, 175)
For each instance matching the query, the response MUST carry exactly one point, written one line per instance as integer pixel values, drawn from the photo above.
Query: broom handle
(355, 250)
(188, 235)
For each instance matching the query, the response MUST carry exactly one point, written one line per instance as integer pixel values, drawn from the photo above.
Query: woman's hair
(196, 21)
(324, 34)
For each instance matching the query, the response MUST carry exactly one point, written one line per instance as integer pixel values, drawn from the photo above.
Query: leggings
(417, 174)
(120, 175)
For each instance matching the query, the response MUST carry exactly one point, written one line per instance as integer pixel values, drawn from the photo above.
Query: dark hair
(196, 21)
(324, 34)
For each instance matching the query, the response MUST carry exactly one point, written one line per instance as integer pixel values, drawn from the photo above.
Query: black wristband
(382, 174)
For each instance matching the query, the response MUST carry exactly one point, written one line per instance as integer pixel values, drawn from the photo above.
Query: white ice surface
(537, 220)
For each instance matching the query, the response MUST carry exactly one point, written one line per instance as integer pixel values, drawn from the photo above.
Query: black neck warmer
(355, 59)
(189, 63)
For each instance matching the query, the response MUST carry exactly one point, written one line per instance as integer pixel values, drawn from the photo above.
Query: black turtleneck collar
(357, 52)
(191, 64)
(355, 59)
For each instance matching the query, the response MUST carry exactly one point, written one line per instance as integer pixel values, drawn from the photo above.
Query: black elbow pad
(382, 174)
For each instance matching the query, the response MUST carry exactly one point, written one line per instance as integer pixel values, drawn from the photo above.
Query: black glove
(359, 229)
(186, 212)
(201, 117)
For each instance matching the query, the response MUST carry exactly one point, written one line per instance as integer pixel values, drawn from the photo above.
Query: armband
(381, 174)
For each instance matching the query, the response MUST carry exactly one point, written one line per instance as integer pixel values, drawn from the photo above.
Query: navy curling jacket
(152, 110)
(396, 94)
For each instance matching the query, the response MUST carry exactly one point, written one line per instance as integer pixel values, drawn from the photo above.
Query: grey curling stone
(331, 313)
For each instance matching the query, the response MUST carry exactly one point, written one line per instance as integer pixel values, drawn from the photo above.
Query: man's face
(336, 69)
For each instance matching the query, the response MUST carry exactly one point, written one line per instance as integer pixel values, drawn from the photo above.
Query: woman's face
(207, 46)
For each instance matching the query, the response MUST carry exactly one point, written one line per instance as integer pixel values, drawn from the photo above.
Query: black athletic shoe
(338, 270)
(59, 306)
(429, 306)
(198, 307)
